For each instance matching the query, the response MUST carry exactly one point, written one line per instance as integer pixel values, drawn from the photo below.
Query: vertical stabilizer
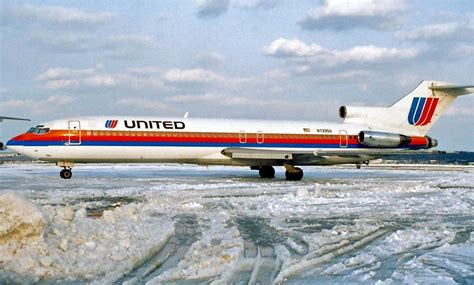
(414, 114)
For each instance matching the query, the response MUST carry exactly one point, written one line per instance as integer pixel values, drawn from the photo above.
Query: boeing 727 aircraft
(367, 133)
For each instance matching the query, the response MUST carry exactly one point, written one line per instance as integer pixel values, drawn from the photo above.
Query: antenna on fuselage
(186, 115)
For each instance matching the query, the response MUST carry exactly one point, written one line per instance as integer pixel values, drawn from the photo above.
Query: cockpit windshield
(39, 130)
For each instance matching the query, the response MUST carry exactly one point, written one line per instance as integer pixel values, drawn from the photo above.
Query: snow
(74, 246)
(154, 224)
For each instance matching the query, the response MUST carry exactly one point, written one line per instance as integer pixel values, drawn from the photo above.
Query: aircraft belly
(133, 154)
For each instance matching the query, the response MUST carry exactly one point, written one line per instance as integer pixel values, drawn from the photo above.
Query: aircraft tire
(294, 176)
(267, 172)
(65, 174)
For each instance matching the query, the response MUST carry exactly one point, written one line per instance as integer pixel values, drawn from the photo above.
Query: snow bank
(75, 247)
(19, 219)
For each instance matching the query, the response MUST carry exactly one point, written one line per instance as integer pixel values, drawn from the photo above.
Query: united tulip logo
(422, 110)
(111, 124)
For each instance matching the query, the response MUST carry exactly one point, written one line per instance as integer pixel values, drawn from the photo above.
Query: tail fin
(414, 114)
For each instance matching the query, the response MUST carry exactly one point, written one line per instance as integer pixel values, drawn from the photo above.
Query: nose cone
(16, 144)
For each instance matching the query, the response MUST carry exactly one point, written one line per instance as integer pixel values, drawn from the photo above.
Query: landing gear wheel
(358, 165)
(294, 176)
(66, 173)
(267, 172)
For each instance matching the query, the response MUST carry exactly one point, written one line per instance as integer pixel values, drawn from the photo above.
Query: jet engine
(382, 139)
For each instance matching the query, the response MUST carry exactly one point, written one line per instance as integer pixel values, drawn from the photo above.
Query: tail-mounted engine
(390, 140)
(381, 139)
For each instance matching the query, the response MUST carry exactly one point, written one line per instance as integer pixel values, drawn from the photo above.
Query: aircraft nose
(15, 144)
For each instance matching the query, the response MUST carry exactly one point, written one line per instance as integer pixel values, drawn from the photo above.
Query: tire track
(326, 254)
(186, 233)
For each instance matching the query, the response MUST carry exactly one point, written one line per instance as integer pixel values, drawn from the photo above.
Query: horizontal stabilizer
(454, 90)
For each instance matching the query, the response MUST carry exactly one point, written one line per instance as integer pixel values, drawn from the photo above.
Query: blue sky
(271, 59)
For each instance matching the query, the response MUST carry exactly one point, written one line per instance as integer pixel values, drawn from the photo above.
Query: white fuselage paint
(78, 152)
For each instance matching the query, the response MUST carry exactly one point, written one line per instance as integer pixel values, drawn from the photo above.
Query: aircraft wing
(12, 118)
(315, 156)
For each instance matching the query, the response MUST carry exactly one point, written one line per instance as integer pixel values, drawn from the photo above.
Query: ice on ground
(219, 250)
(175, 223)
(74, 247)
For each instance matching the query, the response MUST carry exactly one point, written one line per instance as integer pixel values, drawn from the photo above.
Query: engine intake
(382, 139)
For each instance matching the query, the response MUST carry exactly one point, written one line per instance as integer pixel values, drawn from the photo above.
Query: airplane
(367, 133)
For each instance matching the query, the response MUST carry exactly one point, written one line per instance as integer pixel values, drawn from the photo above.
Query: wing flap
(250, 153)
(314, 156)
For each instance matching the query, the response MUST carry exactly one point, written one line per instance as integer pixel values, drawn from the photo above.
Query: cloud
(215, 8)
(210, 59)
(58, 78)
(439, 32)
(198, 75)
(291, 48)
(55, 15)
(38, 106)
(348, 14)
(463, 51)
(313, 53)
(142, 103)
(196, 98)
(212, 8)
(255, 4)
(145, 78)
(58, 73)
(116, 46)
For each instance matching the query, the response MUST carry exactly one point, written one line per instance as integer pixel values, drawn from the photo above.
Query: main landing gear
(359, 164)
(292, 173)
(267, 172)
(66, 173)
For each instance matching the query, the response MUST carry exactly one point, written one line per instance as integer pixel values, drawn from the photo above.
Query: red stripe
(62, 135)
(114, 124)
(426, 110)
(431, 112)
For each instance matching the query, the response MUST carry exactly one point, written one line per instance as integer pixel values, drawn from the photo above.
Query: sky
(267, 59)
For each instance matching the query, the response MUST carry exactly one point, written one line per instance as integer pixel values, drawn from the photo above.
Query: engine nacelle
(382, 139)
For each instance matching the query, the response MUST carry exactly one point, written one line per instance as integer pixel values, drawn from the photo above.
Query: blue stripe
(191, 144)
(107, 124)
(411, 114)
(177, 144)
(419, 110)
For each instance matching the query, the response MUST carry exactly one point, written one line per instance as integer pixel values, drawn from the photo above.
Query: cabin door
(343, 138)
(74, 132)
